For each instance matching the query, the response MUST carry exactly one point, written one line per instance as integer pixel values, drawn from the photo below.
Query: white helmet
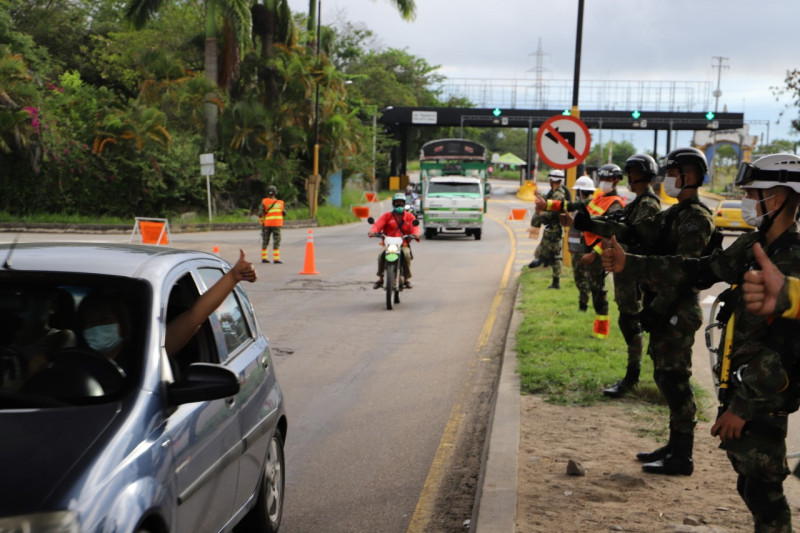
(584, 183)
(772, 170)
(556, 175)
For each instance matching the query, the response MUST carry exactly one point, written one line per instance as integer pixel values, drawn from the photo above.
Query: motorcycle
(394, 278)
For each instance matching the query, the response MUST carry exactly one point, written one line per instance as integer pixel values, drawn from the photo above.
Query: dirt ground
(614, 494)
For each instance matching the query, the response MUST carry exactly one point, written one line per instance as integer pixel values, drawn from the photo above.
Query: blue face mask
(104, 338)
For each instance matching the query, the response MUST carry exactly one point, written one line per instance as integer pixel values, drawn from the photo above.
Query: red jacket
(390, 224)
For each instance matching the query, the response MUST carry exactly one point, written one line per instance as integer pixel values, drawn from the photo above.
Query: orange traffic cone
(308, 266)
(215, 249)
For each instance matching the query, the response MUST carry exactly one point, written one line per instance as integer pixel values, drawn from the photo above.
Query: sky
(623, 40)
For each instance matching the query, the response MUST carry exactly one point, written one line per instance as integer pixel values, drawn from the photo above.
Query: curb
(497, 499)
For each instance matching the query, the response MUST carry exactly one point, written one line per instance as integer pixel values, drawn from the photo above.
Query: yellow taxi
(728, 216)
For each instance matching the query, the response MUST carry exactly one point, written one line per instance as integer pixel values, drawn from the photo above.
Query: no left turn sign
(563, 141)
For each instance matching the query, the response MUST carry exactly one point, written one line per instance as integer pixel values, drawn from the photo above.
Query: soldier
(606, 203)
(584, 191)
(271, 213)
(641, 170)
(549, 250)
(763, 383)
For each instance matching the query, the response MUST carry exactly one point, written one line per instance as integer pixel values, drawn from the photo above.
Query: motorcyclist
(396, 223)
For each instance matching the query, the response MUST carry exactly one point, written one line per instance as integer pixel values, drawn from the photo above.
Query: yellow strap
(794, 298)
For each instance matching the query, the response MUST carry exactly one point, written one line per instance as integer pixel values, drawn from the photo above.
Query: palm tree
(237, 24)
(407, 10)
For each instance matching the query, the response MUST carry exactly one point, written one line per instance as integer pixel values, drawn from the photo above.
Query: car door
(246, 353)
(206, 436)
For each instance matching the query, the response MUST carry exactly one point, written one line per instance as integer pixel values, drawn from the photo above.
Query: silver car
(138, 442)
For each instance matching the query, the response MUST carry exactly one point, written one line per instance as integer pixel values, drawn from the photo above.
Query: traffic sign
(563, 141)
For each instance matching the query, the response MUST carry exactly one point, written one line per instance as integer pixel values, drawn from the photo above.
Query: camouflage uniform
(765, 375)
(672, 313)
(549, 250)
(627, 292)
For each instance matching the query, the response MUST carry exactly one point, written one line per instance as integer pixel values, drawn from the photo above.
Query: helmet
(584, 183)
(682, 156)
(770, 171)
(609, 171)
(556, 174)
(643, 162)
(272, 190)
(399, 199)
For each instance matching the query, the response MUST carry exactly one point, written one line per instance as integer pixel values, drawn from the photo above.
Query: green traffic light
(497, 112)
(566, 112)
(636, 114)
(710, 115)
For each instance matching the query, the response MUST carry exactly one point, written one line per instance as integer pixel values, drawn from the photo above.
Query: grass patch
(560, 360)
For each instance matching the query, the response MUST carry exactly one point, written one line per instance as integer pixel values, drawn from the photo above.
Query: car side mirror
(203, 382)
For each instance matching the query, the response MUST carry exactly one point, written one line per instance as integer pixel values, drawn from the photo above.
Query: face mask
(103, 338)
(670, 188)
(399, 209)
(606, 186)
(750, 212)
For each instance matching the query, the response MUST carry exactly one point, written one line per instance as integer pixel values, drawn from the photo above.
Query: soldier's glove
(582, 221)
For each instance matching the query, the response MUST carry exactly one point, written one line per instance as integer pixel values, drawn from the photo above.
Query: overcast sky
(662, 40)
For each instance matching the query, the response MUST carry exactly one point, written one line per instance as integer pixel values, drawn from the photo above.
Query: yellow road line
(425, 505)
(486, 332)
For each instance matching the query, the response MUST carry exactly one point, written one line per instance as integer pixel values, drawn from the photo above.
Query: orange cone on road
(308, 266)
(215, 249)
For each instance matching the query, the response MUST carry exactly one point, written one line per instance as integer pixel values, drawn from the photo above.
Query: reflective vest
(273, 212)
(597, 207)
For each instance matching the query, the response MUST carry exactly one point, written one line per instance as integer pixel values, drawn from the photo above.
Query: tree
(237, 25)
(792, 89)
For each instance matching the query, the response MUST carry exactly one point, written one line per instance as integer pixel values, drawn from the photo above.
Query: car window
(202, 347)
(732, 205)
(69, 339)
(230, 315)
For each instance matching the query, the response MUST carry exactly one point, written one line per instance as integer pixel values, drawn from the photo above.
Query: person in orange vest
(271, 213)
(607, 202)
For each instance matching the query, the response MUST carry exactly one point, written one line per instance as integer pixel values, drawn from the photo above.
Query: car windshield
(453, 187)
(732, 204)
(68, 339)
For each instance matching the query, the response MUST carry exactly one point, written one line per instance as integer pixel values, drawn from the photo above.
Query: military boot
(678, 462)
(657, 455)
(555, 284)
(535, 263)
(631, 379)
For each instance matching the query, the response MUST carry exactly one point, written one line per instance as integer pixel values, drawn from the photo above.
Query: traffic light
(636, 114)
(496, 112)
(710, 115)
(566, 112)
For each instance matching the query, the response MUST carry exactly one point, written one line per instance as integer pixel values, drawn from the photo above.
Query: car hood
(40, 447)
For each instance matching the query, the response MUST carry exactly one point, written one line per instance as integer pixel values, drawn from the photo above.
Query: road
(388, 410)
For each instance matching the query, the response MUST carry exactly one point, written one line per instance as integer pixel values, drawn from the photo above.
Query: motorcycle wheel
(391, 279)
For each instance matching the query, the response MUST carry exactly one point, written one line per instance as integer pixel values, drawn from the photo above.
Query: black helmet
(645, 163)
(681, 156)
(609, 171)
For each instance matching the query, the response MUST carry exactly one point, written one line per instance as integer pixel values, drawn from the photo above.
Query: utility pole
(717, 93)
(719, 66)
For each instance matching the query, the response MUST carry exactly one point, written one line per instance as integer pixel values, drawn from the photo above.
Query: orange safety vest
(273, 212)
(597, 207)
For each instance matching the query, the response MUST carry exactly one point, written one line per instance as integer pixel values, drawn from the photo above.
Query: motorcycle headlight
(392, 249)
(53, 522)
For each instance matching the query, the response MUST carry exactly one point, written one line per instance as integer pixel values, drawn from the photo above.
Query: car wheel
(266, 515)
